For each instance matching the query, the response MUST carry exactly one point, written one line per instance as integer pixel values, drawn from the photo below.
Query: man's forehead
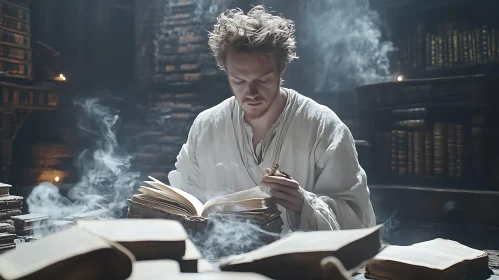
(250, 61)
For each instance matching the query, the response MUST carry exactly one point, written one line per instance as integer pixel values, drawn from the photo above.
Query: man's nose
(252, 91)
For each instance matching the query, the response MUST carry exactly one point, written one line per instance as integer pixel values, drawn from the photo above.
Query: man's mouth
(254, 103)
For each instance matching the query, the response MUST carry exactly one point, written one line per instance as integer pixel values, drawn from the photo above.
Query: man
(231, 146)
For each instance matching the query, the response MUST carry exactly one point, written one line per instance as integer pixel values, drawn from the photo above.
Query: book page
(135, 230)
(254, 192)
(198, 206)
(163, 197)
(252, 204)
(452, 248)
(418, 256)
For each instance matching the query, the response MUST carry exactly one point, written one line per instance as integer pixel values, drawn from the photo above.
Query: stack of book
(7, 242)
(450, 46)
(424, 147)
(15, 39)
(10, 206)
(28, 224)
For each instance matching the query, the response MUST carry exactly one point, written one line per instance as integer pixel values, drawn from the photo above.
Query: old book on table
(245, 204)
(146, 239)
(7, 228)
(7, 242)
(180, 202)
(69, 254)
(30, 220)
(8, 213)
(435, 259)
(8, 202)
(4, 189)
(299, 255)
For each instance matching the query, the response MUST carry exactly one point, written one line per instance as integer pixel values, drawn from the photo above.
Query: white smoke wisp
(346, 41)
(105, 182)
(224, 238)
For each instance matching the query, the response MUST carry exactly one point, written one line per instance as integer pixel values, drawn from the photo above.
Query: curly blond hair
(258, 31)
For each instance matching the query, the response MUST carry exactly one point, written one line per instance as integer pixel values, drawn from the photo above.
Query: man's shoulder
(315, 112)
(216, 113)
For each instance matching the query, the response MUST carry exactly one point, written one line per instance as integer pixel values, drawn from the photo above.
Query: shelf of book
(437, 133)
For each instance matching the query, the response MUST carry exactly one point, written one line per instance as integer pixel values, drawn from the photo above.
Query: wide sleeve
(186, 175)
(340, 197)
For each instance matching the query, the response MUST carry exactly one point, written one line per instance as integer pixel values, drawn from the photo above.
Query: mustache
(254, 100)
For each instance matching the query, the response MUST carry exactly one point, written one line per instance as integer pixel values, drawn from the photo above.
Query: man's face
(254, 79)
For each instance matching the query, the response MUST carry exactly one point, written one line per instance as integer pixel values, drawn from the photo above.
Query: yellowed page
(160, 195)
(254, 192)
(197, 205)
(160, 204)
(135, 230)
(418, 256)
(235, 206)
(452, 248)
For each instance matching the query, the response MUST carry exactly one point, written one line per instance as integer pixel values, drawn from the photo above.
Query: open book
(146, 239)
(176, 201)
(73, 253)
(435, 259)
(299, 254)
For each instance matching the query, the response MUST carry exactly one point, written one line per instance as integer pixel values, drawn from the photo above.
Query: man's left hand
(286, 192)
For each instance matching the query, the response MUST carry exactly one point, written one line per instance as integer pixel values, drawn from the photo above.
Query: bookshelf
(436, 132)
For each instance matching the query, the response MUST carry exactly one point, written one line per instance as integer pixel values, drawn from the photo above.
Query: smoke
(229, 237)
(344, 39)
(105, 181)
(390, 227)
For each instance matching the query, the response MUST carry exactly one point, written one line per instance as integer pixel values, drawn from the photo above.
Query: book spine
(477, 150)
(6, 214)
(433, 50)
(419, 153)
(459, 150)
(440, 149)
(387, 152)
(466, 48)
(394, 152)
(428, 50)
(456, 47)
(452, 149)
(402, 148)
(410, 153)
(485, 43)
(428, 144)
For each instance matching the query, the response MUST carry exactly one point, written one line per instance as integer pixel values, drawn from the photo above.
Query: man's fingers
(286, 204)
(281, 180)
(281, 188)
(283, 195)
